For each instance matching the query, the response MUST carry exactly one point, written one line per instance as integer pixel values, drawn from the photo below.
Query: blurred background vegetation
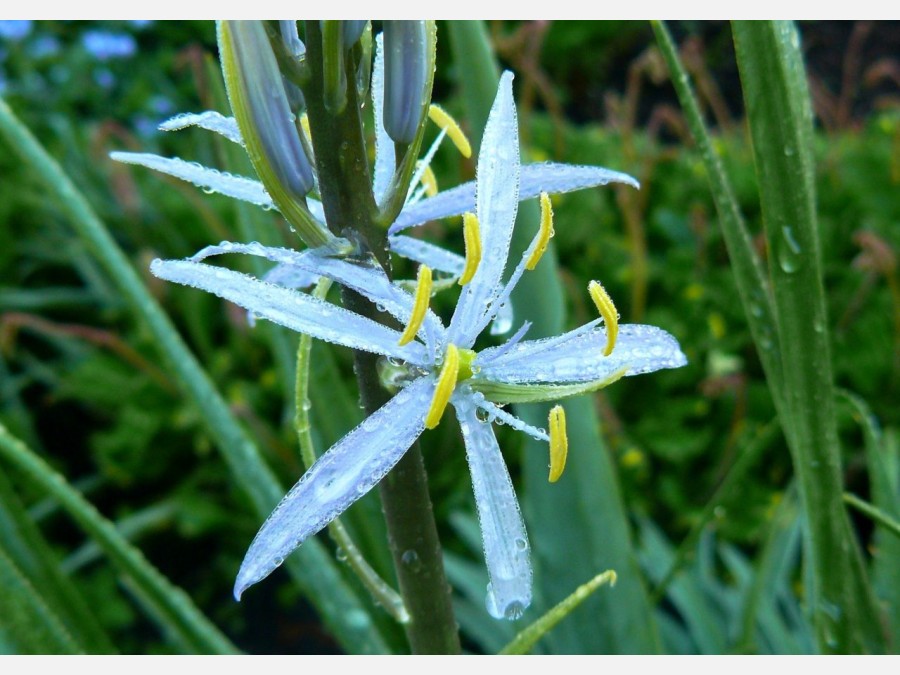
(81, 383)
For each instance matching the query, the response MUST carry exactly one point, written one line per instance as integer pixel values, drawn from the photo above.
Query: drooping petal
(209, 120)
(238, 187)
(506, 549)
(368, 279)
(577, 356)
(549, 177)
(294, 310)
(342, 475)
(497, 178)
(385, 162)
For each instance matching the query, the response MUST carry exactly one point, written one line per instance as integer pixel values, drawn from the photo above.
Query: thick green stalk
(345, 187)
(777, 100)
(578, 525)
(312, 566)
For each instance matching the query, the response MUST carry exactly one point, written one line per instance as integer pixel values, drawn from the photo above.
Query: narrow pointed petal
(385, 162)
(209, 120)
(506, 549)
(294, 310)
(342, 475)
(549, 177)
(497, 178)
(237, 187)
(578, 356)
(422, 252)
(367, 279)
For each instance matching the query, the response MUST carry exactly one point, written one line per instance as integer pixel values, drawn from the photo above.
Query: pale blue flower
(549, 177)
(438, 367)
(15, 30)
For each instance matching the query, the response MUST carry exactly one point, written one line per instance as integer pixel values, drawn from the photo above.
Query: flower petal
(497, 178)
(366, 279)
(342, 475)
(550, 177)
(238, 187)
(209, 120)
(577, 356)
(294, 310)
(384, 146)
(420, 251)
(506, 549)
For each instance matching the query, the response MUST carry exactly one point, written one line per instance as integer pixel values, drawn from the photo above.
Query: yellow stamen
(304, 123)
(420, 305)
(608, 311)
(443, 119)
(445, 385)
(472, 237)
(430, 182)
(559, 442)
(544, 234)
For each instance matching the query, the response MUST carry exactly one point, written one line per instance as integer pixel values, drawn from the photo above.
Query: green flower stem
(777, 100)
(187, 623)
(382, 593)
(311, 566)
(345, 187)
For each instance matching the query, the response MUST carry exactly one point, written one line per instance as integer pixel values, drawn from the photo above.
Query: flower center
(457, 367)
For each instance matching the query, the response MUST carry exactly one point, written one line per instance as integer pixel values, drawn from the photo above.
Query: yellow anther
(472, 237)
(420, 305)
(443, 119)
(559, 442)
(608, 311)
(430, 182)
(445, 385)
(304, 124)
(544, 234)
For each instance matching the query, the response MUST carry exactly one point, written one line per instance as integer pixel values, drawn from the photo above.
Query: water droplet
(411, 559)
(341, 555)
(790, 254)
(521, 544)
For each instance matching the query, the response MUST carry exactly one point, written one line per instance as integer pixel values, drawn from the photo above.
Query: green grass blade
(563, 518)
(873, 512)
(749, 274)
(313, 568)
(23, 542)
(778, 108)
(182, 616)
(27, 621)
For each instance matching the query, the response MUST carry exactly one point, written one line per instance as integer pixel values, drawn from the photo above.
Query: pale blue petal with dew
(579, 358)
(211, 180)
(352, 467)
(292, 309)
(437, 258)
(550, 177)
(366, 278)
(385, 162)
(506, 549)
(209, 120)
(497, 177)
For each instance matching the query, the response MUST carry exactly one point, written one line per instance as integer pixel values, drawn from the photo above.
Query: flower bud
(352, 31)
(409, 54)
(262, 108)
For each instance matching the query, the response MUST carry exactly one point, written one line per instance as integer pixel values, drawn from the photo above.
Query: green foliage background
(81, 382)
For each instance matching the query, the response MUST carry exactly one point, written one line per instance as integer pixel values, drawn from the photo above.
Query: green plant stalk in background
(313, 567)
(578, 525)
(777, 100)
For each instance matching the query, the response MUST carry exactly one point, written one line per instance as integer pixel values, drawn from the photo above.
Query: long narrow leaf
(779, 112)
